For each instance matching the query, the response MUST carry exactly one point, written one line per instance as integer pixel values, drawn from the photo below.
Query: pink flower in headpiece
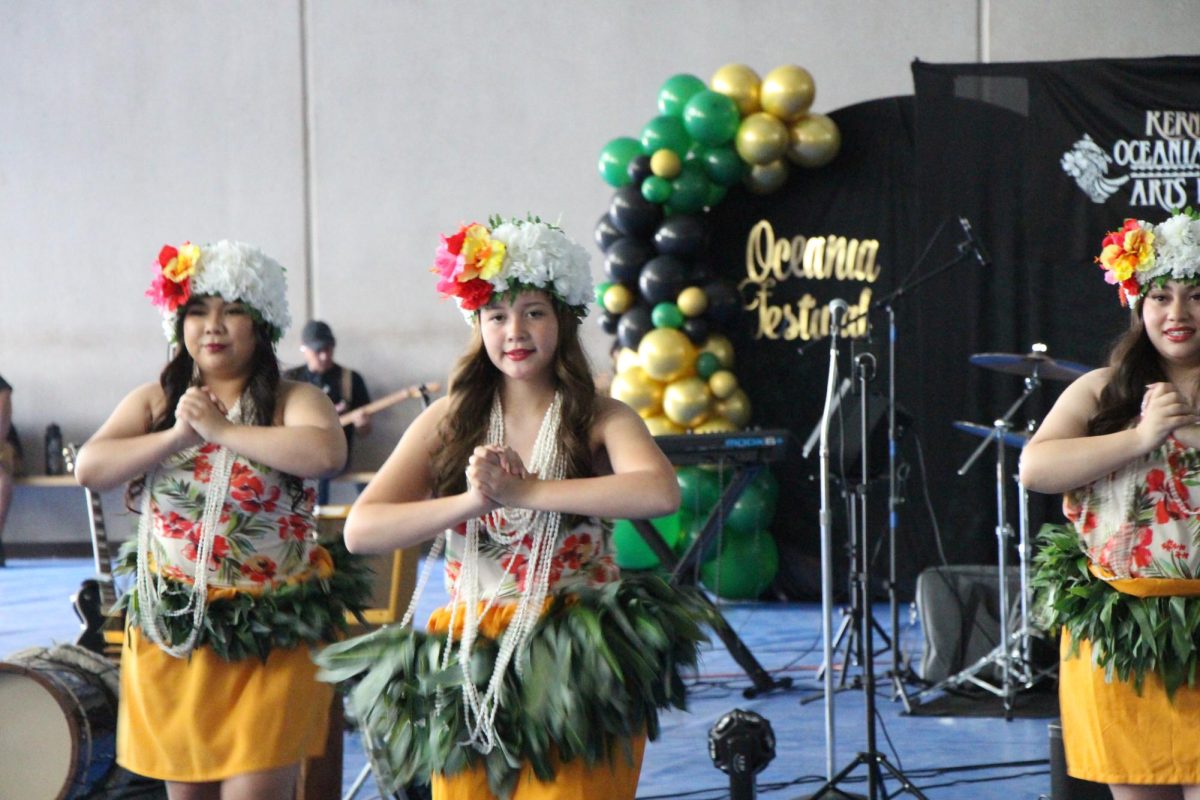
(172, 285)
(167, 294)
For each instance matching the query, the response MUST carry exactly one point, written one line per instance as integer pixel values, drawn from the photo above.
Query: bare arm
(308, 443)
(124, 448)
(397, 509)
(642, 484)
(1061, 456)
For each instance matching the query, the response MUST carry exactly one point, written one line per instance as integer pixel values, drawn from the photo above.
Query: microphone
(838, 309)
(973, 244)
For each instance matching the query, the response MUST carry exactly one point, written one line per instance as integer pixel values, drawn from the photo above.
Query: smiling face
(1171, 316)
(521, 335)
(219, 336)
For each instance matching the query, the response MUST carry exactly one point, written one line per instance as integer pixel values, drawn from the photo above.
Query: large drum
(58, 736)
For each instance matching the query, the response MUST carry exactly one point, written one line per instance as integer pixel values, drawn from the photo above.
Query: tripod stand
(875, 761)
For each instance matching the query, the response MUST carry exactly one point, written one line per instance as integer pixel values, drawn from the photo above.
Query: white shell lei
(149, 590)
(548, 463)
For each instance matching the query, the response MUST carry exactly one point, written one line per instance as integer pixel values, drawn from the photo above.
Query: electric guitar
(99, 631)
(387, 401)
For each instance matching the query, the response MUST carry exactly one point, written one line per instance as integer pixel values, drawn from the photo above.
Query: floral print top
(1143, 521)
(264, 537)
(582, 558)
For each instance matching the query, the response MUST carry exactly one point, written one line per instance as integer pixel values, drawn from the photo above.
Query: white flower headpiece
(1141, 254)
(505, 257)
(235, 271)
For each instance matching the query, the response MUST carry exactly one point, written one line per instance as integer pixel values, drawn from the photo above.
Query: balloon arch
(674, 365)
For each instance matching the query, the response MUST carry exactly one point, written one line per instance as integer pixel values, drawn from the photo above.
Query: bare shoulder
(428, 424)
(300, 390)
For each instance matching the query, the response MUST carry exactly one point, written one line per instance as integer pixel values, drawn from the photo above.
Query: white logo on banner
(1162, 170)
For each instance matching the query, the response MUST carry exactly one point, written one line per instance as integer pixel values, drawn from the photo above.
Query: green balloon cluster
(747, 559)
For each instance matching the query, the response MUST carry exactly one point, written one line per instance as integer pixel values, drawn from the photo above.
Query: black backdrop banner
(1042, 159)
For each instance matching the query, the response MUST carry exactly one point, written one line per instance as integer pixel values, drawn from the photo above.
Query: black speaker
(1062, 785)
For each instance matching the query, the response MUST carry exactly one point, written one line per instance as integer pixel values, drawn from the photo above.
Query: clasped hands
(498, 474)
(199, 415)
(1166, 411)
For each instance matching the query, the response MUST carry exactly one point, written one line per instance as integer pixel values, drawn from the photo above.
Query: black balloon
(639, 169)
(608, 322)
(680, 235)
(606, 233)
(723, 301)
(624, 259)
(635, 323)
(696, 329)
(632, 214)
(699, 272)
(662, 279)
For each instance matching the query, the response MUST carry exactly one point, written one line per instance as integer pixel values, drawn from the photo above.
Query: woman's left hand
(201, 409)
(497, 472)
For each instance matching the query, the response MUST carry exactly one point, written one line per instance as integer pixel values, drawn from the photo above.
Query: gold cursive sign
(771, 261)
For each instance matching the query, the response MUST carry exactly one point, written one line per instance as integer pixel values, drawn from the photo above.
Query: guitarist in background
(10, 457)
(345, 387)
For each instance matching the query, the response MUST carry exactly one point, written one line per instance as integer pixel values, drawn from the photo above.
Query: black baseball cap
(317, 335)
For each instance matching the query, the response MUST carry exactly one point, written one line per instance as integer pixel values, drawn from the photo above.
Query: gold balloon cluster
(777, 125)
(662, 380)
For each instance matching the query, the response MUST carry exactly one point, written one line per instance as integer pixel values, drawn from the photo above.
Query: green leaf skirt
(599, 666)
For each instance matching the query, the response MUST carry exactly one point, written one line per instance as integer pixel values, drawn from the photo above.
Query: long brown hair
(176, 377)
(1134, 364)
(474, 383)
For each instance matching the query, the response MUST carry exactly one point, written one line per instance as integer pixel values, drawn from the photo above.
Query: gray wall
(342, 137)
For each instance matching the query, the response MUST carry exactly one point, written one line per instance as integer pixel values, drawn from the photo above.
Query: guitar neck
(389, 400)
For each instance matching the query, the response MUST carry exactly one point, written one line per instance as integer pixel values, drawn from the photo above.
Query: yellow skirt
(615, 780)
(206, 719)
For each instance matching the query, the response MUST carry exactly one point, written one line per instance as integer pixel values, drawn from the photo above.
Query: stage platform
(947, 757)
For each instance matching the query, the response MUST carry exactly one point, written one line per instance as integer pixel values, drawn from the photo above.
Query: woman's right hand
(1164, 410)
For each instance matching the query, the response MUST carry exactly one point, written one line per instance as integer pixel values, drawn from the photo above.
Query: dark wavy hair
(474, 382)
(262, 389)
(1135, 364)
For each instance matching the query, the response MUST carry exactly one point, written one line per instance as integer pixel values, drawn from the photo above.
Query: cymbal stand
(1011, 653)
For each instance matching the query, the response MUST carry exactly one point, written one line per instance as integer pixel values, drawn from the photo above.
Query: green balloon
(615, 158)
(689, 190)
(656, 189)
(745, 567)
(599, 291)
(724, 166)
(751, 512)
(699, 490)
(675, 93)
(667, 315)
(668, 132)
(697, 152)
(711, 117)
(689, 529)
(706, 364)
(632, 552)
(716, 193)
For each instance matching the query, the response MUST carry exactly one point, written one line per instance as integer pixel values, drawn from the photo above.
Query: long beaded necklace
(150, 589)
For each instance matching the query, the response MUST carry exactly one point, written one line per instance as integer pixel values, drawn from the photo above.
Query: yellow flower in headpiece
(481, 255)
(183, 264)
(1127, 251)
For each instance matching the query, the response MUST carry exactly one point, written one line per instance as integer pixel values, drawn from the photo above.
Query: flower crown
(1139, 255)
(506, 257)
(234, 270)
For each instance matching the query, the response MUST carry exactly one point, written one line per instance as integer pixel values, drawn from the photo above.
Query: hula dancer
(544, 675)
(219, 695)
(1123, 580)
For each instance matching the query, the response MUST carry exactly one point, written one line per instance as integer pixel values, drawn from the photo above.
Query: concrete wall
(342, 137)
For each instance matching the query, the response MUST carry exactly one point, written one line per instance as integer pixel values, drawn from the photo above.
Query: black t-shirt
(12, 429)
(332, 382)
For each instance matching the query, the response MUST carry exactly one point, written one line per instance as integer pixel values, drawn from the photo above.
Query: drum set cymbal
(1032, 364)
(1017, 439)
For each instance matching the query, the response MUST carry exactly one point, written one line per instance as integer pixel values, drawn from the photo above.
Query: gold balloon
(719, 345)
(687, 401)
(666, 354)
(735, 408)
(813, 141)
(639, 391)
(715, 425)
(740, 84)
(617, 298)
(661, 426)
(761, 139)
(692, 301)
(627, 358)
(766, 178)
(665, 163)
(722, 383)
(787, 92)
